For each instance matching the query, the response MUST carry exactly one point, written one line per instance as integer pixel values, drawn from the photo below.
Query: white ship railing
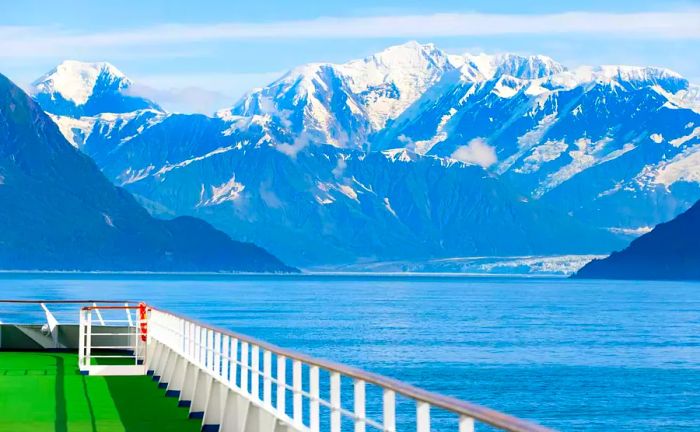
(119, 339)
(259, 372)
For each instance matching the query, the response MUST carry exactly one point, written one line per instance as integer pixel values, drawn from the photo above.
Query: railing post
(267, 377)
(183, 337)
(88, 339)
(255, 372)
(217, 353)
(202, 346)
(359, 398)
(244, 367)
(128, 315)
(422, 417)
(296, 386)
(226, 357)
(192, 343)
(234, 362)
(81, 339)
(210, 349)
(389, 410)
(466, 424)
(314, 407)
(335, 402)
(281, 383)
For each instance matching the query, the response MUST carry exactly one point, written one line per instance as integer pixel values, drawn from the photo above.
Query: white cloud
(45, 41)
(339, 168)
(201, 93)
(299, 144)
(477, 152)
(183, 100)
(407, 143)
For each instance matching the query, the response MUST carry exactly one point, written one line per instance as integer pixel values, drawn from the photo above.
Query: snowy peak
(75, 81)
(645, 74)
(411, 57)
(78, 89)
(530, 67)
(413, 90)
(630, 77)
(390, 81)
(342, 104)
(478, 67)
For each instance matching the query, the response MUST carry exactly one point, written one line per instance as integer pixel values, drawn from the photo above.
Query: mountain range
(59, 212)
(411, 153)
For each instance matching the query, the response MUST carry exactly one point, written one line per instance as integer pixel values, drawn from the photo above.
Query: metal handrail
(64, 301)
(457, 406)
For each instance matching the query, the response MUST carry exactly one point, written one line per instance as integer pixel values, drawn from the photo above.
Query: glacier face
(340, 162)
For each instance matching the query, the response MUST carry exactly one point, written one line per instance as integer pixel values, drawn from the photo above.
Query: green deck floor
(43, 391)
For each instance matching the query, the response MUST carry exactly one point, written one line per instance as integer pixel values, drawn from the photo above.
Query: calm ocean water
(572, 355)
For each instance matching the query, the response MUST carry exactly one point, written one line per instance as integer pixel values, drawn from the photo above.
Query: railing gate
(111, 346)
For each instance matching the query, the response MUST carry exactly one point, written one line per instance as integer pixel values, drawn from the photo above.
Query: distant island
(671, 251)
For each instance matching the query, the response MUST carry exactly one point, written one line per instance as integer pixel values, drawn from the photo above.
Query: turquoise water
(572, 355)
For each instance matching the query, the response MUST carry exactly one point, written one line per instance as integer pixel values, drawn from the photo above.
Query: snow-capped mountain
(597, 142)
(340, 161)
(78, 89)
(59, 212)
(615, 145)
(344, 104)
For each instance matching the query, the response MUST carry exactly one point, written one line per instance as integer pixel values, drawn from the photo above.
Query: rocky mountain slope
(669, 251)
(59, 212)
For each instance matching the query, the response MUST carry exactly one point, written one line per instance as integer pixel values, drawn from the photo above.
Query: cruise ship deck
(45, 391)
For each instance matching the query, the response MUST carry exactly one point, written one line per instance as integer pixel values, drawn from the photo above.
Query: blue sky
(199, 56)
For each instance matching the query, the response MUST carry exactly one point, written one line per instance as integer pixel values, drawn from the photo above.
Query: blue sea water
(572, 355)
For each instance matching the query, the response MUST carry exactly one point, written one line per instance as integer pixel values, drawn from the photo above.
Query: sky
(202, 56)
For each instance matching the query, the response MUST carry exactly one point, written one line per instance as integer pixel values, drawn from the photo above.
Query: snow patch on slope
(131, 175)
(683, 167)
(547, 152)
(75, 130)
(528, 141)
(586, 155)
(227, 191)
(184, 163)
(387, 205)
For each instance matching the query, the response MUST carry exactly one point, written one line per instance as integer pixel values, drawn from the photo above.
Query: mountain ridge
(59, 212)
(610, 146)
